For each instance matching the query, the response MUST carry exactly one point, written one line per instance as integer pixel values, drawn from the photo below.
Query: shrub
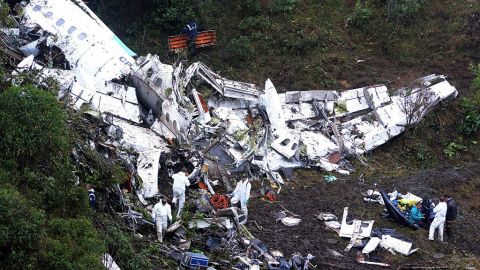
(402, 10)
(250, 7)
(72, 244)
(174, 16)
(361, 15)
(255, 23)
(471, 106)
(282, 6)
(453, 148)
(240, 49)
(120, 247)
(21, 228)
(471, 122)
(32, 127)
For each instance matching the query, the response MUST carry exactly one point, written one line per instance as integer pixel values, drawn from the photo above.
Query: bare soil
(310, 195)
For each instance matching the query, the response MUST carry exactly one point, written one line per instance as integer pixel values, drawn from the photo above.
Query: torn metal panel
(157, 75)
(80, 95)
(109, 263)
(149, 146)
(203, 111)
(159, 128)
(348, 230)
(147, 168)
(317, 145)
(223, 222)
(371, 245)
(110, 104)
(351, 101)
(401, 246)
(391, 114)
(272, 103)
(309, 96)
(298, 111)
(217, 101)
(286, 145)
(376, 96)
(167, 110)
(119, 91)
(90, 13)
(84, 42)
(228, 88)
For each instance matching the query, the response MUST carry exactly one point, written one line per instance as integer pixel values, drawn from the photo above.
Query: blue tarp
(395, 213)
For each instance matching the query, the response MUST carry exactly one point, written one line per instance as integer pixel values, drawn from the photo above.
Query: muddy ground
(309, 195)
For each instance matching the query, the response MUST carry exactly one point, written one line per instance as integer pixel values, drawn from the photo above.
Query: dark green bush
(402, 10)
(471, 106)
(21, 229)
(71, 244)
(240, 49)
(250, 7)
(282, 6)
(361, 15)
(255, 23)
(33, 127)
(471, 122)
(120, 246)
(173, 16)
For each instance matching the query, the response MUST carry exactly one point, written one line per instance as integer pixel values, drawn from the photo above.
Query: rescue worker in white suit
(180, 182)
(438, 222)
(161, 213)
(241, 194)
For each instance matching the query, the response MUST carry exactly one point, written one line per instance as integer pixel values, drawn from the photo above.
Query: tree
(33, 127)
(21, 229)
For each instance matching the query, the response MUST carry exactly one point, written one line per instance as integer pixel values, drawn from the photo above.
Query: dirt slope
(310, 195)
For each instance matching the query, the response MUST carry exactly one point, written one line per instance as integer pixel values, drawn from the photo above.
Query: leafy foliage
(21, 229)
(361, 15)
(240, 48)
(282, 6)
(402, 10)
(32, 126)
(120, 246)
(34, 158)
(72, 244)
(453, 148)
(250, 7)
(173, 16)
(471, 106)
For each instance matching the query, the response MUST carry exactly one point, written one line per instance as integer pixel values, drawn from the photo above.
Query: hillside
(47, 161)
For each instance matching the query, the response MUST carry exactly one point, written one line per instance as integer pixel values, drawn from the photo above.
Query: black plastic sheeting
(395, 213)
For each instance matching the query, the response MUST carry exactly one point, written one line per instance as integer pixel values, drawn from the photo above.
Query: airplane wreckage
(220, 127)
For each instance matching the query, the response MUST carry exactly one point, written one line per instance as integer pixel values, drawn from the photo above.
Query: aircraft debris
(155, 118)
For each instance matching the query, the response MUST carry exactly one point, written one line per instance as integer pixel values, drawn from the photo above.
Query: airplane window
(82, 36)
(71, 30)
(60, 22)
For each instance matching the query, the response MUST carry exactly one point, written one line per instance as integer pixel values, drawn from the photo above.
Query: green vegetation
(50, 229)
(45, 222)
(41, 133)
(21, 230)
(471, 106)
(240, 48)
(361, 15)
(403, 10)
(452, 150)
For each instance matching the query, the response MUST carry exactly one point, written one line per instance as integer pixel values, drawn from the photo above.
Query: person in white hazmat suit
(241, 194)
(438, 222)
(161, 213)
(180, 182)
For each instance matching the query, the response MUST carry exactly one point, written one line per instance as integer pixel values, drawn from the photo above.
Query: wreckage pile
(161, 118)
